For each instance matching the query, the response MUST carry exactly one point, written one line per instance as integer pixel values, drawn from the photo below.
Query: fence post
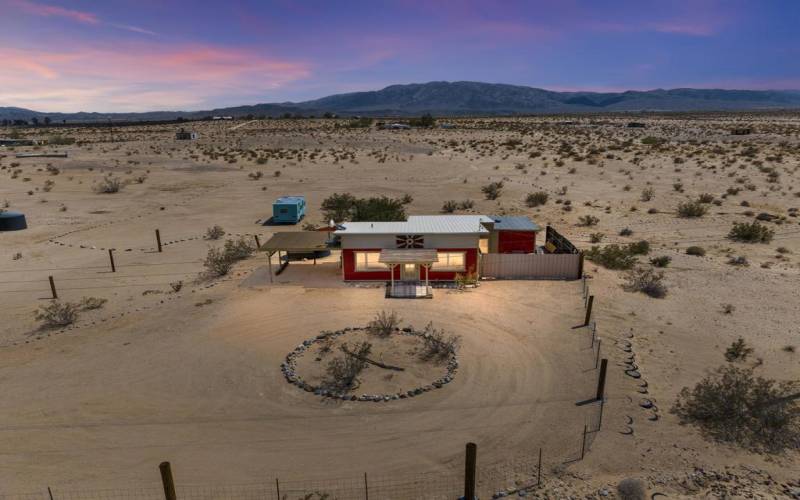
(278, 487)
(111, 258)
(588, 310)
(539, 471)
(166, 480)
(53, 287)
(601, 380)
(158, 239)
(594, 333)
(366, 487)
(50, 493)
(583, 443)
(600, 419)
(580, 268)
(469, 471)
(597, 358)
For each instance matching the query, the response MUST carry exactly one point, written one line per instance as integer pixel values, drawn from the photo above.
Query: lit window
(450, 261)
(368, 261)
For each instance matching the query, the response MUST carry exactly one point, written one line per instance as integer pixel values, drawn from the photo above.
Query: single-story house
(429, 247)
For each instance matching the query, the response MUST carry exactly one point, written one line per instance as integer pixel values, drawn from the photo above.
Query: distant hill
(466, 98)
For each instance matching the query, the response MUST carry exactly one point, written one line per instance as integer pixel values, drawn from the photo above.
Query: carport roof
(297, 241)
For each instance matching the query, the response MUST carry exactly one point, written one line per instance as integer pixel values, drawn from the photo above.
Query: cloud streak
(47, 10)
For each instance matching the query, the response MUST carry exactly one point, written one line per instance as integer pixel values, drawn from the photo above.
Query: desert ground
(190, 372)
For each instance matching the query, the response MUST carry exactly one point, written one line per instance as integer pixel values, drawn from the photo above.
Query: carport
(294, 241)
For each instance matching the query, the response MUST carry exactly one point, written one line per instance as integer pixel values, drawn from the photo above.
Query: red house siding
(516, 242)
(350, 273)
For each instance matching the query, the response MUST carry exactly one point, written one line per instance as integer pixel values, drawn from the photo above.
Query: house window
(450, 261)
(368, 261)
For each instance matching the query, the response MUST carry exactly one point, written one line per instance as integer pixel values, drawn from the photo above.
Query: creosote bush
(696, 251)
(57, 313)
(612, 256)
(218, 261)
(733, 405)
(109, 185)
(646, 280)
(343, 371)
(588, 220)
(751, 232)
(692, 209)
(384, 324)
(738, 351)
(536, 199)
(215, 232)
(437, 344)
(493, 190)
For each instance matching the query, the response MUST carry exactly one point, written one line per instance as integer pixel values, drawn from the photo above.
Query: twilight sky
(138, 55)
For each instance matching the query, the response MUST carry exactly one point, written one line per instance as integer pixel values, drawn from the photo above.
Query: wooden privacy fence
(532, 266)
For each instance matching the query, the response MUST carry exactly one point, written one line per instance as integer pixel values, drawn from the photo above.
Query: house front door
(409, 272)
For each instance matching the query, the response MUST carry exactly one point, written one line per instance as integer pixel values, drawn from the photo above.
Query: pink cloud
(54, 10)
(138, 77)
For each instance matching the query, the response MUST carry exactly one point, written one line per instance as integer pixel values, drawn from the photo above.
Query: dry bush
(493, 190)
(217, 263)
(696, 251)
(648, 194)
(89, 303)
(646, 280)
(437, 344)
(57, 314)
(176, 286)
(588, 220)
(631, 489)
(536, 199)
(661, 261)
(384, 324)
(751, 232)
(733, 405)
(109, 185)
(450, 206)
(738, 351)
(612, 256)
(692, 209)
(342, 372)
(214, 233)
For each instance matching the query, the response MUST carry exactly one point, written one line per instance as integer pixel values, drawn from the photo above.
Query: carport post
(469, 471)
(269, 264)
(167, 481)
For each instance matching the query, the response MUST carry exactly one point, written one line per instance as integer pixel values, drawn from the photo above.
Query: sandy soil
(154, 376)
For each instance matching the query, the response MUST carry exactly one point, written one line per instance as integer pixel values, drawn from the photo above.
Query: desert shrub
(437, 344)
(466, 205)
(653, 141)
(705, 198)
(646, 280)
(738, 260)
(449, 206)
(492, 190)
(661, 261)
(648, 194)
(536, 199)
(692, 209)
(631, 489)
(254, 176)
(343, 372)
(462, 280)
(384, 324)
(626, 231)
(738, 351)
(639, 248)
(109, 185)
(728, 308)
(57, 313)
(588, 220)
(338, 206)
(176, 286)
(217, 263)
(612, 256)
(215, 232)
(751, 232)
(88, 303)
(596, 237)
(238, 249)
(696, 251)
(732, 405)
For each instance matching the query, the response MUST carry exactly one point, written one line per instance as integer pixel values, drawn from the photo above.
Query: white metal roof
(421, 224)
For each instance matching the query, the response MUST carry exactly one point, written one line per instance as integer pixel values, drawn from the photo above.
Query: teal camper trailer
(288, 209)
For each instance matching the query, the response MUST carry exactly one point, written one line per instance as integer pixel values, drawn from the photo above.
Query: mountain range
(463, 99)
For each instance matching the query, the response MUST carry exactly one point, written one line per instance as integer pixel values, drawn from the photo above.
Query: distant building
(636, 125)
(17, 142)
(397, 126)
(185, 135)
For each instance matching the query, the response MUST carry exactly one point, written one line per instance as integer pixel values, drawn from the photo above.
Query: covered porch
(414, 265)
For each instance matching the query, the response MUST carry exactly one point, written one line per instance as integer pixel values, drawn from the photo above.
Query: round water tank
(12, 221)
